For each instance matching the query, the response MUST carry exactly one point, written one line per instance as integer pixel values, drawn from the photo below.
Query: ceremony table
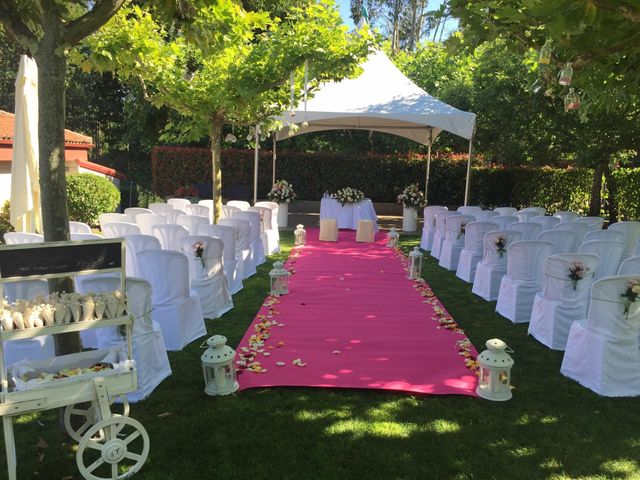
(348, 214)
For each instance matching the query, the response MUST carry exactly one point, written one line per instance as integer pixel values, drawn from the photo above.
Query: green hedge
(628, 193)
(89, 195)
(5, 225)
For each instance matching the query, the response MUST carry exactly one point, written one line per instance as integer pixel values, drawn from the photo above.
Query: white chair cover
(561, 302)
(566, 216)
(506, 211)
(232, 266)
(228, 211)
(178, 203)
(134, 244)
(636, 250)
(524, 216)
(147, 220)
(133, 212)
(273, 206)
(579, 228)
(209, 281)
(159, 207)
(268, 234)
(36, 348)
(429, 227)
(85, 236)
(149, 350)
(609, 253)
(493, 266)
(241, 204)
(172, 215)
(594, 223)
(546, 223)
(453, 241)
(631, 231)
(199, 210)
(473, 249)
(178, 313)
(563, 241)
(602, 351)
(243, 245)
(441, 231)
(529, 230)
(192, 222)
(523, 280)
(614, 235)
(210, 205)
(537, 210)
(79, 227)
(257, 250)
(14, 238)
(118, 230)
(485, 215)
(170, 236)
(630, 266)
(468, 210)
(504, 221)
(112, 218)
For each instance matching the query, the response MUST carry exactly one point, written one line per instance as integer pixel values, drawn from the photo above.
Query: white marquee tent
(382, 99)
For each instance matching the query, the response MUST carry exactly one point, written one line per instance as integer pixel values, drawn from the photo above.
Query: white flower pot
(283, 214)
(409, 219)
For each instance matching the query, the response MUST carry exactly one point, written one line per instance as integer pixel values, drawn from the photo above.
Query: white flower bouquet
(348, 195)
(412, 197)
(282, 192)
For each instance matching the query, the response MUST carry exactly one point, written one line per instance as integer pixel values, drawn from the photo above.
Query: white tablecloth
(349, 214)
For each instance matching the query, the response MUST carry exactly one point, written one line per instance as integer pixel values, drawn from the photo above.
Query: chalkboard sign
(58, 258)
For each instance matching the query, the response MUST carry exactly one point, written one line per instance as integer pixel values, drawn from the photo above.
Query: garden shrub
(5, 225)
(628, 193)
(90, 195)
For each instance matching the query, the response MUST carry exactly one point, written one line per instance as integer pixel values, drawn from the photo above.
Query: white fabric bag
(493, 266)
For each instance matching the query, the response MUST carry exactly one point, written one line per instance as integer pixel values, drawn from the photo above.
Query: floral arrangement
(348, 195)
(412, 197)
(577, 271)
(282, 192)
(630, 295)
(463, 226)
(188, 191)
(501, 245)
(198, 251)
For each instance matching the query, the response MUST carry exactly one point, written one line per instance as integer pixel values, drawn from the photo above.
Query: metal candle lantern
(392, 237)
(495, 371)
(566, 75)
(218, 367)
(415, 264)
(545, 54)
(572, 100)
(300, 235)
(279, 279)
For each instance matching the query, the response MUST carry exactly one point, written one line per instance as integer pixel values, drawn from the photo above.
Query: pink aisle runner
(353, 320)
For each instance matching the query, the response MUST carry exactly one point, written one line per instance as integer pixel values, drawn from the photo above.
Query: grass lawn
(552, 428)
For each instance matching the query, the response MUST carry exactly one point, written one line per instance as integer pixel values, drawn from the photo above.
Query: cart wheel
(76, 414)
(119, 454)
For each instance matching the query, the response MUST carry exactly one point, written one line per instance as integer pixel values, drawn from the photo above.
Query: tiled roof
(70, 138)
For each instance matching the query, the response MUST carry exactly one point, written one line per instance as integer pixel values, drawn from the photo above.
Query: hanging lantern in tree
(495, 371)
(279, 279)
(300, 235)
(572, 100)
(218, 367)
(566, 75)
(415, 264)
(545, 53)
(392, 237)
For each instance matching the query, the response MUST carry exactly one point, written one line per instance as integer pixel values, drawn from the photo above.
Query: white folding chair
(578, 228)
(506, 211)
(170, 236)
(441, 232)
(243, 245)
(566, 216)
(268, 234)
(473, 249)
(241, 204)
(429, 227)
(172, 215)
(118, 230)
(198, 210)
(207, 275)
(602, 351)
(273, 206)
(232, 265)
(104, 218)
(546, 222)
(503, 221)
(614, 235)
(485, 215)
(525, 215)
(135, 244)
(178, 313)
(631, 232)
(14, 238)
(228, 211)
(594, 223)
(468, 210)
(178, 203)
(563, 241)
(147, 220)
(562, 300)
(192, 222)
(159, 207)
(536, 210)
(529, 230)
(609, 253)
(211, 206)
(79, 227)
(630, 266)
(133, 212)
(453, 241)
(523, 279)
(257, 250)
(493, 266)
(85, 236)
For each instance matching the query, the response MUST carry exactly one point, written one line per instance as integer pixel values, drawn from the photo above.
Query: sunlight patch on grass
(361, 428)
(551, 463)
(523, 452)
(28, 418)
(312, 416)
(391, 409)
(443, 426)
(549, 419)
(622, 466)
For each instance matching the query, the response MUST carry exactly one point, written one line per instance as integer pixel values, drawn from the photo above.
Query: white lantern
(218, 367)
(392, 237)
(300, 235)
(495, 371)
(279, 279)
(415, 264)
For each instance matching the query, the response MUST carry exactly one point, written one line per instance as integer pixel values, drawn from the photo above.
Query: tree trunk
(612, 189)
(595, 202)
(216, 132)
(52, 67)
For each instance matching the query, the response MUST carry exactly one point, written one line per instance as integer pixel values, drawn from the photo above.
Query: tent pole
(255, 164)
(273, 174)
(466, 187)
(426, 182)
